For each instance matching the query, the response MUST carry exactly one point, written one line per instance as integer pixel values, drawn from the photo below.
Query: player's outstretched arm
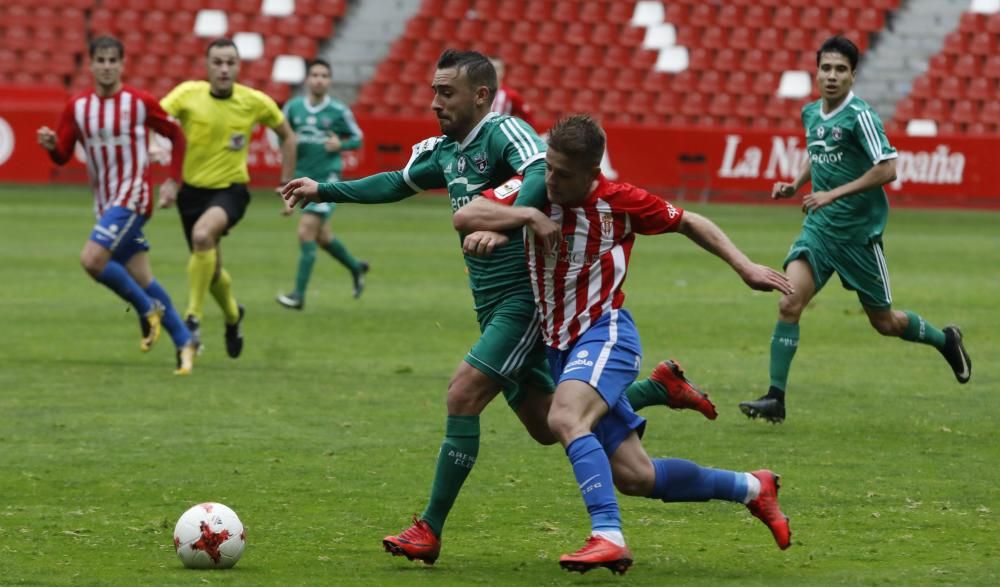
(289, 145)
(710, 237)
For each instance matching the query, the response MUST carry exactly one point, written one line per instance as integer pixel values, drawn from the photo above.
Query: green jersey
(843, 145)
(313, 125)
(496, 149)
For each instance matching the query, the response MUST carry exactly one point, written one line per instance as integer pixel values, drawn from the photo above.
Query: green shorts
(510, 349)
(322, 209)
(861, 267)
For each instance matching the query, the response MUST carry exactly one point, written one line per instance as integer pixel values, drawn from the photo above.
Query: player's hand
(817, 200)
(483, 242)
(782, 190)
(168, 193)
(332, 144)
(300, 190)
(545, 230)
(763, 278)
(47, 138)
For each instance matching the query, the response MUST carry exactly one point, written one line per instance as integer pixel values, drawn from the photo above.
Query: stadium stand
(589, 57)
(161, 38)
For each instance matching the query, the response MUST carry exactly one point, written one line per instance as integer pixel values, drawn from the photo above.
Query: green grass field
(323, 435)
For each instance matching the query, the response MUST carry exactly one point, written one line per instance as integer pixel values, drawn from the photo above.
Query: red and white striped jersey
(113, 133)
(509, 101)
(581, 281)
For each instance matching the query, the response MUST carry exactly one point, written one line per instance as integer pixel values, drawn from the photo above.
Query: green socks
(340, 253)
(307, 258)
(645, 393)
(455, 460)
(918, 330)
(784, 342)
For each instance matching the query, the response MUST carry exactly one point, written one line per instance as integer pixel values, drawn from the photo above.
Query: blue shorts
(120, 231)
(607, 357)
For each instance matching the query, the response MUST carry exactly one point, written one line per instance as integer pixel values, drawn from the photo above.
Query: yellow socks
(223, 294)
(201, 267)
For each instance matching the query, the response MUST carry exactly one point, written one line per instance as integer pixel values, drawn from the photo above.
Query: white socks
(753, 488)
(614, 535)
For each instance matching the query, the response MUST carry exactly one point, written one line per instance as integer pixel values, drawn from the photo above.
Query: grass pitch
(323, 435)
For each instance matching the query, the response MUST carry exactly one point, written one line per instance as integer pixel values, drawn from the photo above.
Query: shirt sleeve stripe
(513, 141)
(406, 175)
(530, 160)
(519, 131)
(874, 145)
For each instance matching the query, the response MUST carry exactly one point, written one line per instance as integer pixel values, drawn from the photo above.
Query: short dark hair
(579, 137)
(106, 42)
(477, 67)
(221, 42)
(314, 62)
(839, 44)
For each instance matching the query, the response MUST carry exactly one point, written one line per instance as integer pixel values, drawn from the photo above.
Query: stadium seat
(982, 89)
(737, 83)
(991, 112)
(703, 15)
(967, 66)
(709, 82)
(972, 22)
(934, 109)
(921, 127)
(983, 44)
(647, 13)
(951, 88)
(785, 18)
(722, 105)
(965, 112)
(210, 23)
(249, 45)
(277, 7)
(729, 16)
(672, 60)
(677, 15)
(725, 60)
(870, 20)
(954, 43)
(742, 38)
(991, 69)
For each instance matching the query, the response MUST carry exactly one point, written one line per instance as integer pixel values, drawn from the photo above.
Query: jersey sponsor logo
(826, 158)
(481, 161)
(671, 211)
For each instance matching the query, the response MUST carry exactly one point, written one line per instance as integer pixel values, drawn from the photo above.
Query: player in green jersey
(850, 159)
(325, 128)
(481, 150)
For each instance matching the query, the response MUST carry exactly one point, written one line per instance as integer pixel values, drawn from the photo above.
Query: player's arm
(289, 147)
(160, 122)
(352, 140)
(783, 190)
(60, 142)
(880, 174)
(421, 173)
(710, 237)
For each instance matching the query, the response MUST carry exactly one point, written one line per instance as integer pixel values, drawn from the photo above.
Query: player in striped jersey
(850, 159)
(578, 248)
(481, 150)
(112, 122)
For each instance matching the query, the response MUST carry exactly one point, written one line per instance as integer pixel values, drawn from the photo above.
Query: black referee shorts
(192, 203)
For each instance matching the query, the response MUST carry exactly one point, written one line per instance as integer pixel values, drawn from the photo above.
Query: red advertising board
(685, 163)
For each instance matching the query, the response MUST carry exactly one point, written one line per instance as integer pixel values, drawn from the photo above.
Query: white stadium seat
(985, 6)
(795, 84)
(921, 127)
(289, 69)
(672, 60)
(648, 13)
(660, 36)
(277, 7)
(250, 45)
(211, 23)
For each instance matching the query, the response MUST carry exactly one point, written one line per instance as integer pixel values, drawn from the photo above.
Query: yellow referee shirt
(218, 130)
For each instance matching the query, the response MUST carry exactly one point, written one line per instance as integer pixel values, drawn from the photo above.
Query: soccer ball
(209, 536)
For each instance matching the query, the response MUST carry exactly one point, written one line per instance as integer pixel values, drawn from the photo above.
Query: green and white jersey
(313, 125)
(843, 145)
(498, 148)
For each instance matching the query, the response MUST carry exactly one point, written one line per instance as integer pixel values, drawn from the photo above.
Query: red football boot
(416, 542)
(766, 509)
(598, 552)
(681, 393)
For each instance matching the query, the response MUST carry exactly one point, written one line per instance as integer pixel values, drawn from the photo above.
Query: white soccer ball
(209, 536)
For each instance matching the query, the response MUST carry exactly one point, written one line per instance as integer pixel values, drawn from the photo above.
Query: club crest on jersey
(237, 141)
(836, 133)
(461, 165)
(481, 162)
(821, 131)
(607, 225)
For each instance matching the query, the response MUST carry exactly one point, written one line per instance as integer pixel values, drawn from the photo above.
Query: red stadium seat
(721, 105)
(934, 109)
(951, 88)
(737, 83)
(939, 66)
(702, 15)
(730, 16)
(972, 22)
(700, 58)
(676, 14)
(601, 79)
(967, 66)
(743, 38)
(954, 43)
(965, 112)
(992, 67)
(785, 18)
(982, 89)
(991, 112)
(779, 61)
(871, 20)
(993, 23)
(906, 109)
(983, 44)
(683, 82)
(694, 104)
(797, 39)
(714, 38)
(709, 82)
(725, 60)
(765, 84)
(578, 34)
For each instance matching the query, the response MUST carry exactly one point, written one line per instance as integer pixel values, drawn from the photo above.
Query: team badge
(836, 133)
(481, 162)
(461, 165)
(821, 131)
(237, 141)
(607, 225)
